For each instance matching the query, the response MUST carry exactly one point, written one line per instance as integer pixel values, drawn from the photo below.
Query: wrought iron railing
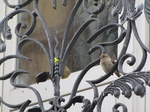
(127, 83)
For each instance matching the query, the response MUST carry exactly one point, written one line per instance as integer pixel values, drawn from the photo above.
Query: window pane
(56, 19)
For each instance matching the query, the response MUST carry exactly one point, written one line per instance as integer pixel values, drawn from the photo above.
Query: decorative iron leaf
(147, 10)
(116, 106)
(6, 31)
(77, 99)
(64, 2)
(126, 89)
(2, 46)
(117, 9)
(110, 3)
(137, 12)
(86, 106)
(34, 109)
(42, 77)
(129, 83)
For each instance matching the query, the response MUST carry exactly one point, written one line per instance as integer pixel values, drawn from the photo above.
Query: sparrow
(107, 63)
(67, 71)
(66, 74)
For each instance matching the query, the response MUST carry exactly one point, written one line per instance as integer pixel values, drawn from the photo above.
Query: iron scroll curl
(128, 83)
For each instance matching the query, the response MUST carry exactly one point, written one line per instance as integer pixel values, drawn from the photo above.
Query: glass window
(56, 19)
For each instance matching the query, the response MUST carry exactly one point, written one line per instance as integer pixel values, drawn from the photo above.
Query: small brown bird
(67, 71)
(107, 63)
(66, 74)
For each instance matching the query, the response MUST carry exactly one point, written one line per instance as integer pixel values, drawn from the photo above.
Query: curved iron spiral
(130, 81)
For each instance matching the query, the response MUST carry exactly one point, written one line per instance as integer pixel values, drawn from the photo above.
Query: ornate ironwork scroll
(128, 83)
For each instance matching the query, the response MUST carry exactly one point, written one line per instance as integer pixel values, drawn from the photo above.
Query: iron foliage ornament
(127, 84)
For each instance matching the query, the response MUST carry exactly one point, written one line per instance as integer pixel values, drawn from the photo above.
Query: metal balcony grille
(129, 82)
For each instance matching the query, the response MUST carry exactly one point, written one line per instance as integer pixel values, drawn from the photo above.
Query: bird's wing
(113, 61)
